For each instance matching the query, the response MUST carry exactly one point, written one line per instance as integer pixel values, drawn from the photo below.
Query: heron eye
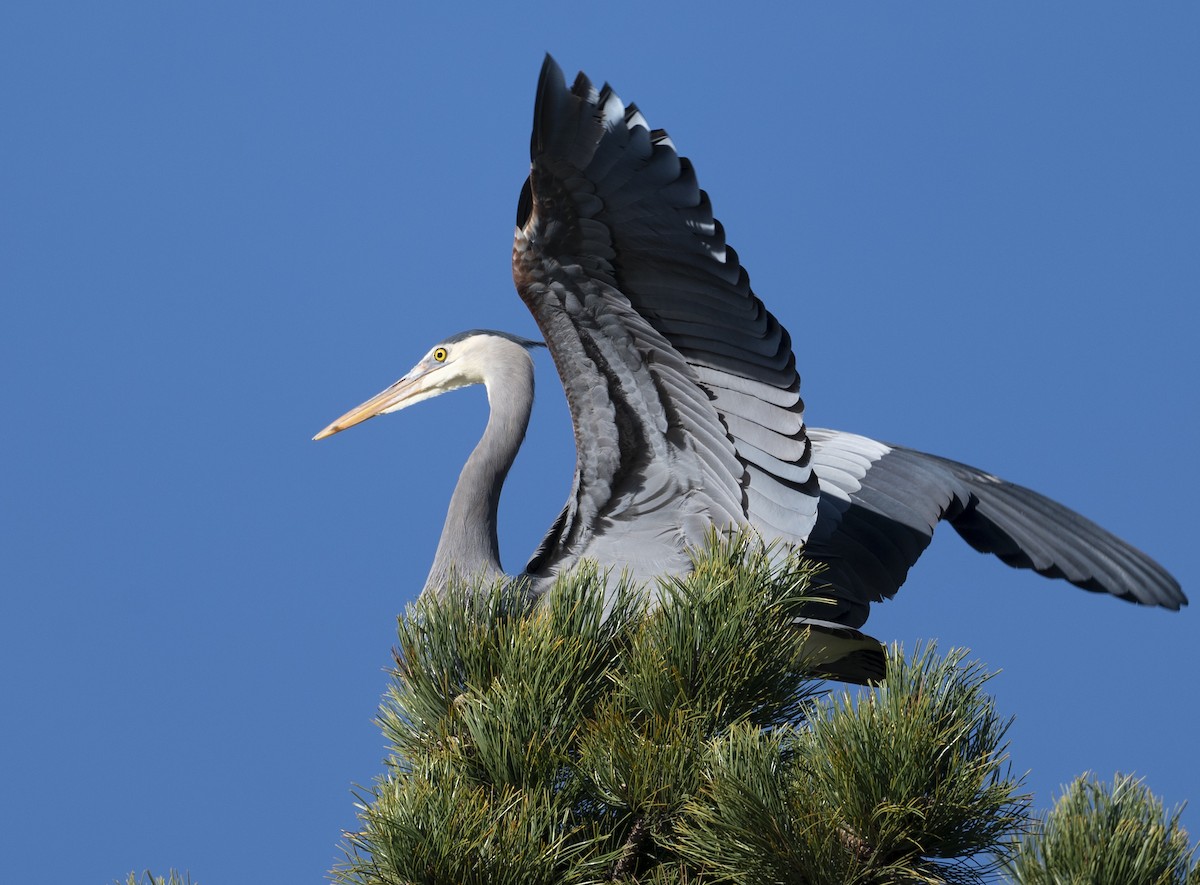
(440, 354)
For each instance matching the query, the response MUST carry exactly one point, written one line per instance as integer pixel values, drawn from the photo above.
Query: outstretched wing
(682, 388)
(880, 504)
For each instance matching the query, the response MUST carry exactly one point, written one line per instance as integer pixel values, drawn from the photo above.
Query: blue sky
(224, 224)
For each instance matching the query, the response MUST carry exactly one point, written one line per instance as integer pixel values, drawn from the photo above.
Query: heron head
(459, 361)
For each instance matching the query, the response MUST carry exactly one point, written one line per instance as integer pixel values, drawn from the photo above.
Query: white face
(447, 366)
(437, 372)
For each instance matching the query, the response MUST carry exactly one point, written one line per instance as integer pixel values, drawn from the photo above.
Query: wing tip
(552, 86)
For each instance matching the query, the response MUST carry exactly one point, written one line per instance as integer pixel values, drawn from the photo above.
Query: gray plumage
(685, 402)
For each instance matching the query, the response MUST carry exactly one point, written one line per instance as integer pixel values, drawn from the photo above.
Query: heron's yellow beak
(404, 392)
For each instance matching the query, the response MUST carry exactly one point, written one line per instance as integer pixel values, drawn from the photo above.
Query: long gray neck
(469, 547)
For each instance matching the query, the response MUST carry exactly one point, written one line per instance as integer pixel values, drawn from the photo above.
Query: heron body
(685, 401)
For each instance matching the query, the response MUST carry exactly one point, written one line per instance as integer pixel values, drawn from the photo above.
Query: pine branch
(626, 865)
(906, 783)
(1099, 832)
(172, 878)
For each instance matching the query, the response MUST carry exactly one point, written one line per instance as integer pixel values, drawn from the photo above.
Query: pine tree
(601, 738)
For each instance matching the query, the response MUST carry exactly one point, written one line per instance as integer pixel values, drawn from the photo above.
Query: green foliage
(599, 738)
(172, 878)
(907, 784)
(958, 803)
(1107, 835)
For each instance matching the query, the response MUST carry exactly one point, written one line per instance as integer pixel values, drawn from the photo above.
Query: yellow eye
(440, 354)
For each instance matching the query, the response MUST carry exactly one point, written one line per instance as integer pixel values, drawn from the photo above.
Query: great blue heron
(685, 400)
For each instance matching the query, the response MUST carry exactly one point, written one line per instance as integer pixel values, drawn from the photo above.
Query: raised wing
(880, 505)
(682, 387)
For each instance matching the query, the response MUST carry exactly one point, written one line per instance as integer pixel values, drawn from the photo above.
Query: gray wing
(880, 504)
(682, 388)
